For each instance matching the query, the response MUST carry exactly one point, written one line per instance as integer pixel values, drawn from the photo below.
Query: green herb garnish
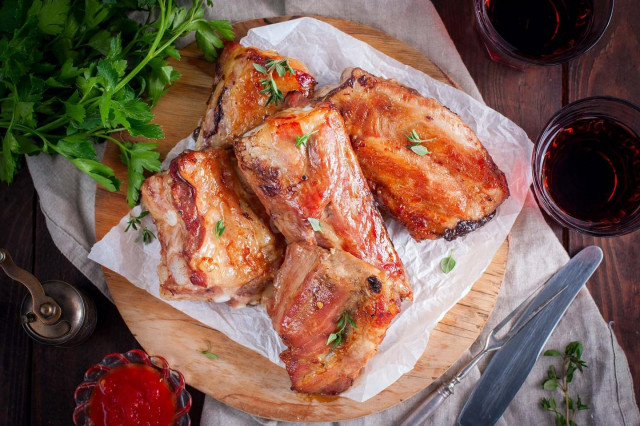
(448, 263)
(315, 224)
(220, 228)
(146, 235)
(134, 222)
(571, 362)
(416, 143)
(336, 338)
(207, 352)
(303, 139)
(269, 86)
(74, 72)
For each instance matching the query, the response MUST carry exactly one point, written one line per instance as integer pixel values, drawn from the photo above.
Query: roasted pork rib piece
(301, 166)
(236, 104)
(448, 192)
(316, 293)
(216, 244)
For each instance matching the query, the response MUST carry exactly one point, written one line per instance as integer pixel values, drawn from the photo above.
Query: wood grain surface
(252, 383)
(616, 284)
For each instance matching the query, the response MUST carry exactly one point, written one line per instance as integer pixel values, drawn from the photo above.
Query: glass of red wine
(586, 166)
(522, 33)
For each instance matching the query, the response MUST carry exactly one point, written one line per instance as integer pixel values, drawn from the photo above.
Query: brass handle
(44, 307)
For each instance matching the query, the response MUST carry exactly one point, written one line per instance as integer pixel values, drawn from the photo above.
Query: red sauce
(132, 395)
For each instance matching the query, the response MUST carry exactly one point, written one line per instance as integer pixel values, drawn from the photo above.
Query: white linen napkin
(67, 198)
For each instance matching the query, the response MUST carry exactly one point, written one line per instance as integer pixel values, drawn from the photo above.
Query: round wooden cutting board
(242, 378)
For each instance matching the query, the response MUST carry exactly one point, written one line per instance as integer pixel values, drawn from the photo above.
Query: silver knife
(492, 343)
(509, 368)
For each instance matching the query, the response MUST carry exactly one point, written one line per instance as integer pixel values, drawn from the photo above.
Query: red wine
(592, 170)
(541, 28)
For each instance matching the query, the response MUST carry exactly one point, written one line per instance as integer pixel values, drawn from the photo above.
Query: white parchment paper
(327, 52)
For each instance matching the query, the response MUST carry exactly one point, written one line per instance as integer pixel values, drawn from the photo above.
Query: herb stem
(54, 124)
(114, 140)
(152, 50)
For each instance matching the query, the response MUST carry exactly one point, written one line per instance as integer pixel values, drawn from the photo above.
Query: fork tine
(517, 311)
(517, 326)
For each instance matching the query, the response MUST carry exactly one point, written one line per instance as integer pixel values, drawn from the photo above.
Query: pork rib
(452, 190)
(191, 203)
(317, 292)
(317, 183)
(237, 104)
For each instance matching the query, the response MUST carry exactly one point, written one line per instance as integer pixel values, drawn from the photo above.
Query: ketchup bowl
(132, 388)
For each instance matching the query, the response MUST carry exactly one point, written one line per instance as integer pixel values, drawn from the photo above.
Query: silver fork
(492, 343)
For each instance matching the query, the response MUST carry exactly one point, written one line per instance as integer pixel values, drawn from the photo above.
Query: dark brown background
(38, 381)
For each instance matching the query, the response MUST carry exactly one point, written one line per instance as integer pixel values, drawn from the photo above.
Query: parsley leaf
(73, 72)
(52, 15)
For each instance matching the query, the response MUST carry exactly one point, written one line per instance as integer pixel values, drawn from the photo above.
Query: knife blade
(510, 366)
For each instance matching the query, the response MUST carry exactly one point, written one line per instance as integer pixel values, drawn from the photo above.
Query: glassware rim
(546, 136)
(174, 378)
(497, 42)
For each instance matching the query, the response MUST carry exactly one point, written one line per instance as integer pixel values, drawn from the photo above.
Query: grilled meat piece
(316, 293)
(452, 190)
(317, 183)
(216, 244)
(236, 104)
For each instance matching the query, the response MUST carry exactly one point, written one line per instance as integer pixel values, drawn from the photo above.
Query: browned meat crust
(320, 180)
(314, 288)
(236, 104)
(450, 191)
(187, 202)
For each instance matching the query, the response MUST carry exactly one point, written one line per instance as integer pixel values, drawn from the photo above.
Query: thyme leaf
(448, 263)
(303, 139)
(416, 143)
(337, 336)
(220, 228)
(571, 362)
(315, 224)
(207, 352)
(146, 236)
(269, 85)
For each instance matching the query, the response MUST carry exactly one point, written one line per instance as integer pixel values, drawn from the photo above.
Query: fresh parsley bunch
(75, 72)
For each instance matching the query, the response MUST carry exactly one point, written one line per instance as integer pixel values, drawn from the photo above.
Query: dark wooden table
(38, 381)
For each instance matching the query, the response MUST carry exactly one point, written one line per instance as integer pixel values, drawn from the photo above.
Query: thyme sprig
(303, 139)
(269, 85)
(336, 338)
(416, 143)
(135, 221)
(571, 362)
(146, 235)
